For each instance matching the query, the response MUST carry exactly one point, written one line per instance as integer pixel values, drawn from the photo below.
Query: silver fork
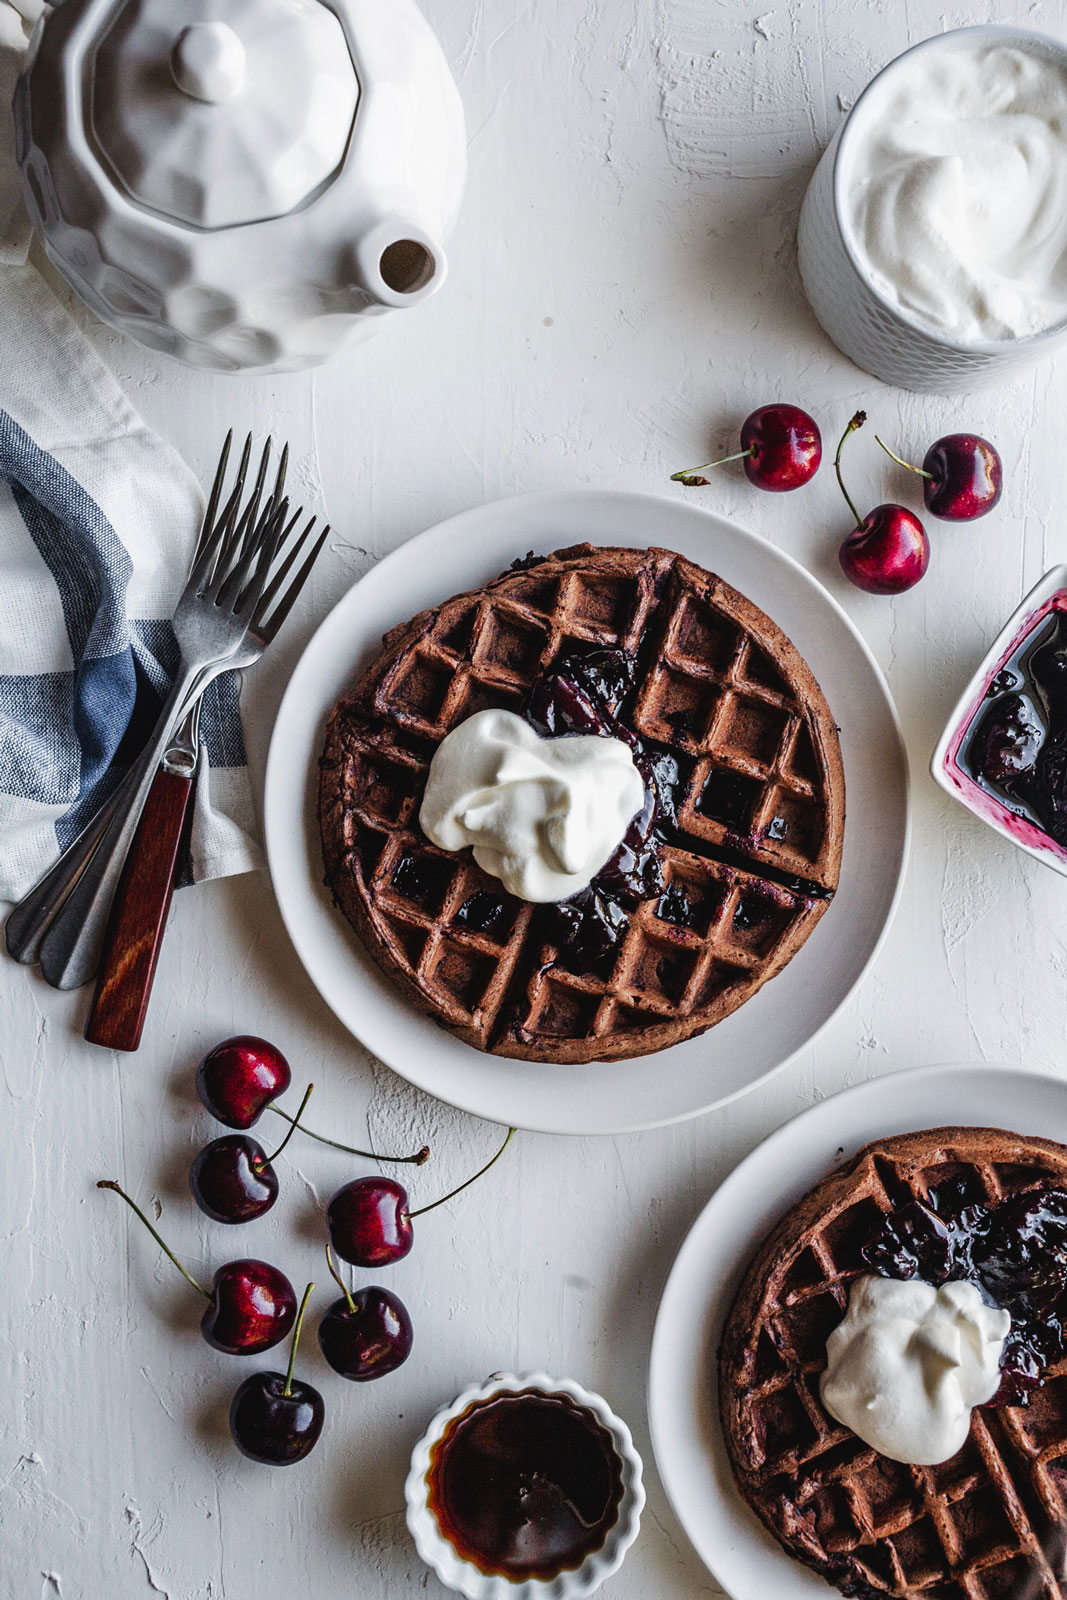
(30, 920)
(213, 615)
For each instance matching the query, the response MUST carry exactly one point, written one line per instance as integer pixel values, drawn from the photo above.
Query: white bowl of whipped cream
(933, 236)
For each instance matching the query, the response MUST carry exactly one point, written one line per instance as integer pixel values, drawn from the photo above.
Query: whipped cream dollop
(909, 1362)
(543, 815)
(956, 191)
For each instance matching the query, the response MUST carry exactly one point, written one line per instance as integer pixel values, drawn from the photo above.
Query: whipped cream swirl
(543, 815)
(956, 193)
(909, 1362)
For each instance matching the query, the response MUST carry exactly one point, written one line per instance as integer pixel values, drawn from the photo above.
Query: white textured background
(623, 292)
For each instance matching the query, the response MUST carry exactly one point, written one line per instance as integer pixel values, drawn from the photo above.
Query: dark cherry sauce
(586, 694)
(525, 1485)
(1016, 746)
(1016, 1254)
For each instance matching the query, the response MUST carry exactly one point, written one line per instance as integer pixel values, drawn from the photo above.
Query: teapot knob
(208, 62)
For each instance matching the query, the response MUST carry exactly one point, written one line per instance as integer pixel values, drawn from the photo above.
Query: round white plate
(760, 1036)
(682, 1392)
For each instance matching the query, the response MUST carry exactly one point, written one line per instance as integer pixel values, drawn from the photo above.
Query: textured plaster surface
(623, 291)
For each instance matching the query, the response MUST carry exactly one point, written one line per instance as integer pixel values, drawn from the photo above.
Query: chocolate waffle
(989, 1524)
(748, 841)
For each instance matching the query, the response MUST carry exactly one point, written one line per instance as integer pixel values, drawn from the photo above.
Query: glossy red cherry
(365, 1334)
(233, 1180)
(962, 476)
(242, 1077)
(369, 1222)
(888, 550)
(274, 1418)
(239, 1079)
(250, 1305)
(780, 446)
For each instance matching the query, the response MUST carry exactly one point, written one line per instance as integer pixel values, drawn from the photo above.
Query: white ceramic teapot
(244, 184)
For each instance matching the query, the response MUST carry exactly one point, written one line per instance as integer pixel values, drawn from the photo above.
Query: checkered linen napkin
(98, 517)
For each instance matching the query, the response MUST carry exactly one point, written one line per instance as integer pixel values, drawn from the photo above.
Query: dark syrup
(525, 1484)
(1016, 746)
(1016, 1254)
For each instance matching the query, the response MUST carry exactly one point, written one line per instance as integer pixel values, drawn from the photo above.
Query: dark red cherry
(366, 1334)
(274, 1418)
(962, 476)
(273, 1426)
(781, 448)
(240, 1077)
(888, 550)
(965, 477)
(243, 1076)
(232, 1179)
(368, 1222)
(251, 1307)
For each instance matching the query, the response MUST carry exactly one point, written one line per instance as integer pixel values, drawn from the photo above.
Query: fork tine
(233, 589)
(213, 500)
(250, 595)
(285, 568)
(224, 526)
(269, 627)
(283, 468)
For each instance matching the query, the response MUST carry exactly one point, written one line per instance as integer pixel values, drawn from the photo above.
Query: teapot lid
(218, 113)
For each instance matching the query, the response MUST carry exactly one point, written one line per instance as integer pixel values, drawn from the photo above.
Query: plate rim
(631, 500)
(734, 1183)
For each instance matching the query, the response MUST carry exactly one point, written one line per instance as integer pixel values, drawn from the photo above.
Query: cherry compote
(585, 694)
(1017, 746)
(1014, 1251)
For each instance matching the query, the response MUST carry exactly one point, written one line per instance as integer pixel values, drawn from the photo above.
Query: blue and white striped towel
(97, 521)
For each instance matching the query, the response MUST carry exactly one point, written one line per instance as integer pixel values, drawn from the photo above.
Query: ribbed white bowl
(878, 336)
(466, 1578)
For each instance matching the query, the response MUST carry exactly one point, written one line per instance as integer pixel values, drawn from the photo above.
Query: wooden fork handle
(139, 917)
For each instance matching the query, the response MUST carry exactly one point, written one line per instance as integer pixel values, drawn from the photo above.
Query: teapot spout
(400, 263)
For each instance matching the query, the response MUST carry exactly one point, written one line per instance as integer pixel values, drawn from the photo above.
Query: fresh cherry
(369, 1222)
(962, 476)
(888, 550)
(239, 1078)
(250, 1305)
(780, 446)
(366, 1334)
(242, 1077)
(275, 1418)
(233, 1179)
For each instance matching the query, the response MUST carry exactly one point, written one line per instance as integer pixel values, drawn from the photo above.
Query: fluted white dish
(572, 1584)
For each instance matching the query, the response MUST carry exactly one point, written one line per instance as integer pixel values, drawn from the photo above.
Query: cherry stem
(459, 1189)
(694, 472)
(340, 1282)
(412, 1161)
(910, 465)
(297, 1325)
(109, 1183)
(293, 1125)
(856, 422)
